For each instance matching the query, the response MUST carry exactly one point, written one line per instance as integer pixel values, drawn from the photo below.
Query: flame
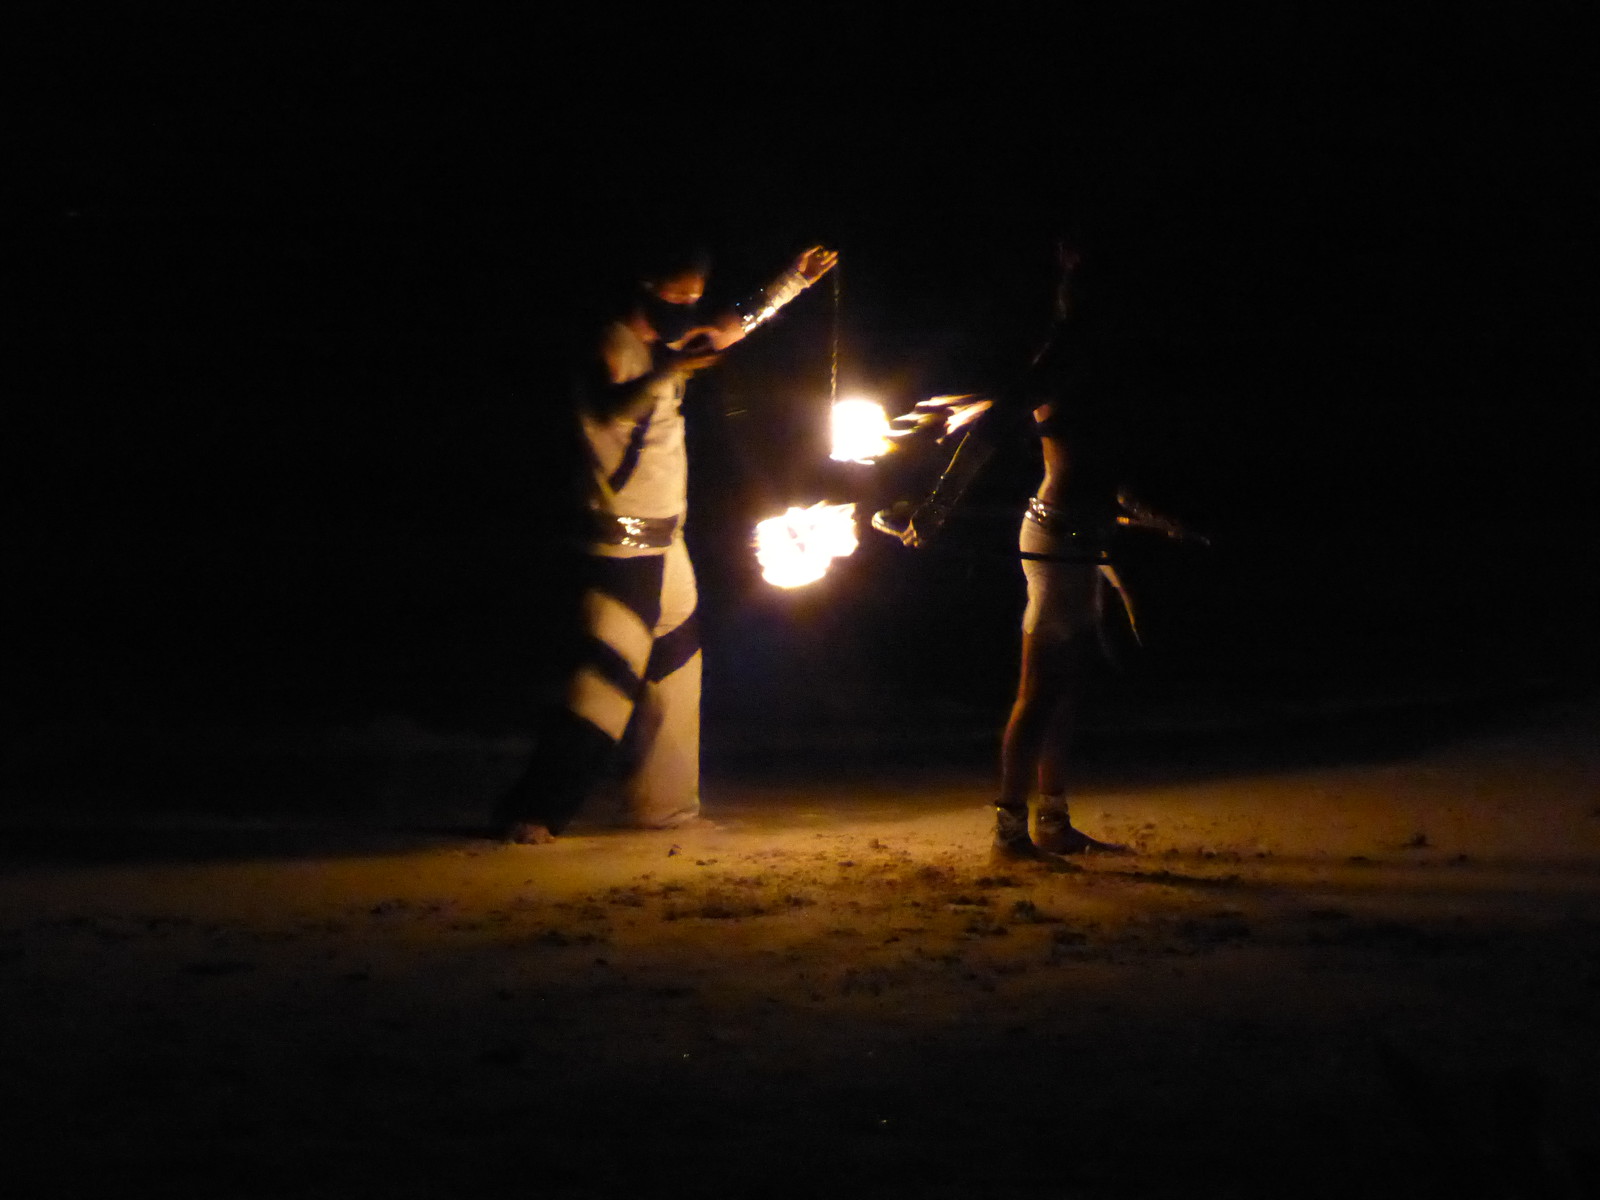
(965, 414)
(956, 410)
(860, 431)
(797, 548)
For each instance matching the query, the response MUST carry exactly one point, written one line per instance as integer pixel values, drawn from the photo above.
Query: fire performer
(1061, 542)
(639, 673)
(1064, 547)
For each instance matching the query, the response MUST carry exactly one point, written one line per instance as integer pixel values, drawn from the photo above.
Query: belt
(1068, 523)
(641, 533)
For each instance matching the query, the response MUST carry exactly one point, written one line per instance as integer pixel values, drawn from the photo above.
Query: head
(670, 289)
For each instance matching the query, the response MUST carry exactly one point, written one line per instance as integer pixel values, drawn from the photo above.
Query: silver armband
(765, 304)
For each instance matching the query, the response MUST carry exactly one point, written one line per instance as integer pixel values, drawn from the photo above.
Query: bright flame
(796, 548)
(965, 414)
(955, 412)
(860, 431)
(961, 410)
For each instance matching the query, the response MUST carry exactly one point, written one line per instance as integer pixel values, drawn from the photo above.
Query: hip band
(642, 533)
(1061, 522)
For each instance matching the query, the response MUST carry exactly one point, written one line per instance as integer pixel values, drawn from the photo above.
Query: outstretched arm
(976, 447)
(810, 266)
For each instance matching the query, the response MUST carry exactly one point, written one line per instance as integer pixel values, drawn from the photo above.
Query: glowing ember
(860, 431)
(797, 548)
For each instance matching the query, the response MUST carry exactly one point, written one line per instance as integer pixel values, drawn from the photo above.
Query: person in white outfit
(639, 670)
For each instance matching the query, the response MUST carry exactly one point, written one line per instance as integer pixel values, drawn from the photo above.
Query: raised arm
(808, 267)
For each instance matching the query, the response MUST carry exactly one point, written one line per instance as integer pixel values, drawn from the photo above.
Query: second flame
(797, 548)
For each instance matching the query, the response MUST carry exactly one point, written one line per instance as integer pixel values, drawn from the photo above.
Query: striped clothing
(637, 683)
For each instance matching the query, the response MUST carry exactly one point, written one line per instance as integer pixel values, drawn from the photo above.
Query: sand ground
(1313, 980)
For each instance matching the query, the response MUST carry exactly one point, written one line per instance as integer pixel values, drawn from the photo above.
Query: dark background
(291, 293)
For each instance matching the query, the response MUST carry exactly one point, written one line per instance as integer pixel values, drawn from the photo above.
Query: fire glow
(863, 433)
(798, 547)
(963, 410)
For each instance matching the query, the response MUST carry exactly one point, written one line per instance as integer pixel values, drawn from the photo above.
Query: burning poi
(862, 431)
(798, 547)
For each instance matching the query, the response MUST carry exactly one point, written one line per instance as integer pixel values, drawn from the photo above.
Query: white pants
(639, 679)
(1063, 597)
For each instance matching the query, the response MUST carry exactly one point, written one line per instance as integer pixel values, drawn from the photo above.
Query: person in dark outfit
(1063, 546)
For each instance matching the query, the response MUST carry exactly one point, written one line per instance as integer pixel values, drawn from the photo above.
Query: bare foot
(528, 833)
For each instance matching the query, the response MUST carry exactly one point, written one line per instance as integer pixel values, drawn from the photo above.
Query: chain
(833, 392)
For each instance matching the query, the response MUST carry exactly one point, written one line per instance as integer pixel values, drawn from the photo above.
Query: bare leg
(1041, 689)
(1039, 694)
(1057, 626)
(1051, 827)
(1061, 722)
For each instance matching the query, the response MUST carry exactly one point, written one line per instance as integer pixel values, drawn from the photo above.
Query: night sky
(291, 299)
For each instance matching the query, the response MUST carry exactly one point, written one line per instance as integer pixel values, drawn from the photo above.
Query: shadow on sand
(393, 787)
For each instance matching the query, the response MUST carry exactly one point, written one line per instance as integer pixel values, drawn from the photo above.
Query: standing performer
(640, 668)
(1064, 549)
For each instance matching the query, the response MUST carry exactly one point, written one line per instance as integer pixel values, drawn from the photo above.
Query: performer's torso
(643, 459)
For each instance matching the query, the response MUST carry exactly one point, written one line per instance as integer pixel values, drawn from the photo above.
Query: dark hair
(672, 259)
(616, 261)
